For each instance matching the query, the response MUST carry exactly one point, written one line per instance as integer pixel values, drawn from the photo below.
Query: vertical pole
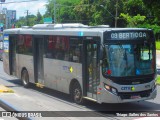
(55, 12)
(116, 13)
(58, 14)
(27, 19)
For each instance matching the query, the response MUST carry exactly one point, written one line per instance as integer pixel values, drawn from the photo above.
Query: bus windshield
(128, 59)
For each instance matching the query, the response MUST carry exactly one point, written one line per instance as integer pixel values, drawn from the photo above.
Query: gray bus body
(75, 57)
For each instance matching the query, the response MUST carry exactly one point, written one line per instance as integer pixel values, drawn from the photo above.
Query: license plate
(135, 97)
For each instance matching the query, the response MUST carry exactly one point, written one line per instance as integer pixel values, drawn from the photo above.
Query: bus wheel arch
(76, 91)
(25, 77)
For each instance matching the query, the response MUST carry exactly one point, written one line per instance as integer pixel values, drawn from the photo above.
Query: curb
(10, 109)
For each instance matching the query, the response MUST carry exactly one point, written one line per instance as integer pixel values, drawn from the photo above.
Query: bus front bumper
(108, 97)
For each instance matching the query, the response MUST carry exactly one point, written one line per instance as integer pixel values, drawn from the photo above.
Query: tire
(76, 93)
(25, 78)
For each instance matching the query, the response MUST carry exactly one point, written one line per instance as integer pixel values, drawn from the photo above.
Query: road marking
(4, 89)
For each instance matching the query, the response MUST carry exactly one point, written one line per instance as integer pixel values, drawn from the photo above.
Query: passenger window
(57, 47)
(75, 50)
(64, 48)
(24, 44)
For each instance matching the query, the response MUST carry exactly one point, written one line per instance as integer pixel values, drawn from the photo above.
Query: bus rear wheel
(77, 93)
(25, 78)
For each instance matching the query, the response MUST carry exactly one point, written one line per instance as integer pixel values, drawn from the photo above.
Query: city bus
(98, 63)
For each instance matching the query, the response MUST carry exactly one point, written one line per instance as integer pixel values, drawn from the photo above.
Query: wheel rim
(25, 78)
(77, 95)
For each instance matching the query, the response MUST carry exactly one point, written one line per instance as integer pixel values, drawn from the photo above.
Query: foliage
(64, 10)
(157, 45)
(158, 79)
(39, 18)
(29, 20)
(21, 22)
(127, 13)
(133, 21)
(154, 7)
(134, 7)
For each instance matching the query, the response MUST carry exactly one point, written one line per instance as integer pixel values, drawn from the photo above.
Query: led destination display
(127, 35)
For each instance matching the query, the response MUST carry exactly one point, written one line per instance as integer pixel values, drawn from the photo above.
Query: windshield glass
(128, 60)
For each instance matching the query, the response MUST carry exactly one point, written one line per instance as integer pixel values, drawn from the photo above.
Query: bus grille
(128, 95)
(132, 81)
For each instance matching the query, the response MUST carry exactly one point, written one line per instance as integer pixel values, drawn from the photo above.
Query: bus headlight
(107, 87)
(110, 89)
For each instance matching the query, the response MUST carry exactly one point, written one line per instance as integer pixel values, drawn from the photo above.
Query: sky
(33, 7)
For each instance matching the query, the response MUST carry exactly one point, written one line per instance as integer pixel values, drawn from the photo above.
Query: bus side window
(48, 47)
(57, 47)
(75, 50)
(64, 48)
(24, 45)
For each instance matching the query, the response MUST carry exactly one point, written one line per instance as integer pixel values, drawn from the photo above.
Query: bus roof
(74, 29)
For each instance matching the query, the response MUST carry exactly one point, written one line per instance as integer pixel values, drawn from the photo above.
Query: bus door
(91, 78)
(12, 55)
(38, 44)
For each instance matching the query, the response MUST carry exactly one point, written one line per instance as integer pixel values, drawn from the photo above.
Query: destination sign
(128, 35)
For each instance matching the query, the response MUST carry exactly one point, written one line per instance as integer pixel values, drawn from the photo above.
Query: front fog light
(114, 91)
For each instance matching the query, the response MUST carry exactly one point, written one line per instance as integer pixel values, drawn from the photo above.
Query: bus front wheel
(25, 78)
(77, 93)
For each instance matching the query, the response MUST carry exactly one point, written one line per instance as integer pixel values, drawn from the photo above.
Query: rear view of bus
(128, 65)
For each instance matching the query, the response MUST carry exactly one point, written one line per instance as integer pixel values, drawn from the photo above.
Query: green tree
(64, 10)
(39, 18)
(49, 9)
(21, 22)
(31, 20)
(154, 7)
(134, 21)
(96, 12)
(134, 7)
(84, 11)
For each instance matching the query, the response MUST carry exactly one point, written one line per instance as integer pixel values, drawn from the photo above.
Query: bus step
(39, 85)
(88, 98)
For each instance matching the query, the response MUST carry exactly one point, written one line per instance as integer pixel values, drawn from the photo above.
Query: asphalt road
(37, 99)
